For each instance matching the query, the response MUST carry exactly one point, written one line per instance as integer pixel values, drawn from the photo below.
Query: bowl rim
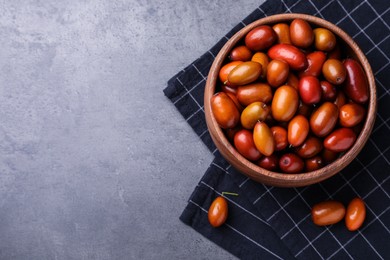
(277, 178)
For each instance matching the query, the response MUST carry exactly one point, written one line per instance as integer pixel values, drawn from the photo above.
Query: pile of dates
(289, 99)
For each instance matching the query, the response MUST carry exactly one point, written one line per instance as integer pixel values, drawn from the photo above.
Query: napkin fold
(274, 223)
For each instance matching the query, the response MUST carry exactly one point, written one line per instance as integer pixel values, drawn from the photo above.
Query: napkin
(275, 223)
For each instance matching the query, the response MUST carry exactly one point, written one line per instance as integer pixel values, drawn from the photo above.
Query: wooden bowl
(282, 179)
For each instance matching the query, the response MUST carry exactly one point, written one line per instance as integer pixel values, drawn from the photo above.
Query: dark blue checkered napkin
(267, 222)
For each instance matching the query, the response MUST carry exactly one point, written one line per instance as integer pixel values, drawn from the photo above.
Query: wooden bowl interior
(281, 179)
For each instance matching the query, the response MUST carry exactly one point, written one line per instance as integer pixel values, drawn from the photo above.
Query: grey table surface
(95, 162)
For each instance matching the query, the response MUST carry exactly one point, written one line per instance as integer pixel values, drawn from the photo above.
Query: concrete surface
(95, 162)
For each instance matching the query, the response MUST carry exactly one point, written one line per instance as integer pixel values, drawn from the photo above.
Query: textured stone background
(95, 162)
